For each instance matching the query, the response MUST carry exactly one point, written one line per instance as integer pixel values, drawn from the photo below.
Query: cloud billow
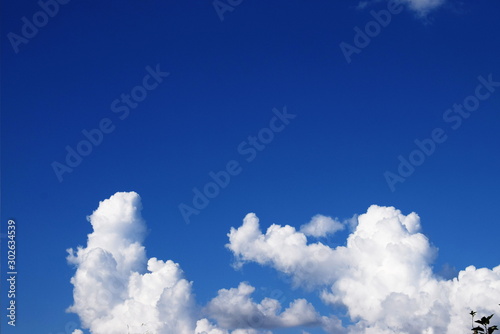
(382, 276)
(116, 289)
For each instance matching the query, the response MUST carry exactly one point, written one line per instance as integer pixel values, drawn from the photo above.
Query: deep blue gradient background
(353, 121)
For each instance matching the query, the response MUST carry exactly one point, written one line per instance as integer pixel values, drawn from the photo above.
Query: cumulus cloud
(116, 289)
(204, 326)
(285, 249)
(383, 275)
(234, 308)
(321, 226)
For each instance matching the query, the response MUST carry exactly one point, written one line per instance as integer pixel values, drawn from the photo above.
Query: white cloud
(204, 326)
(114, 291)
(321, 226)
(383, 275)
(285, 249)
(118, 290)
(234, 308)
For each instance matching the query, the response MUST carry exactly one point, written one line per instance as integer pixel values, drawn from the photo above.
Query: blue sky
(348, 124)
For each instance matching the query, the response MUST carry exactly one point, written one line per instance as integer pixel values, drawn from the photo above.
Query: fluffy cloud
(116, 290)
(234, 308)
(321, 226)
(204, 326)
(285, 249)
(383, 275)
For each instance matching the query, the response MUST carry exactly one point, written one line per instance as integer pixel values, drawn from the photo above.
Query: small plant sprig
(484, 323)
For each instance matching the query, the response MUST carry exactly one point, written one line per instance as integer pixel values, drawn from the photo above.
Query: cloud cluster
(116, 289)
(234, 308)
(382, 276)
(204, 326)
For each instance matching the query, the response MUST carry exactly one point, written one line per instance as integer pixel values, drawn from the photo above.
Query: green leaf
(484, 320)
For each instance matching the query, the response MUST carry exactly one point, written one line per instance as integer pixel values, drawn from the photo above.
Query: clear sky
(209, 111)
